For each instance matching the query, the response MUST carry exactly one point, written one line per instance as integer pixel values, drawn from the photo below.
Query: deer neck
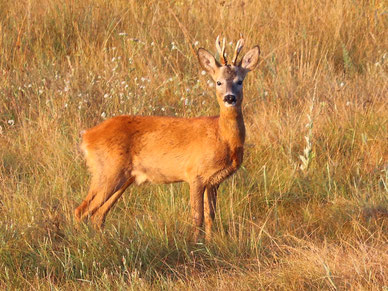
(232, 128)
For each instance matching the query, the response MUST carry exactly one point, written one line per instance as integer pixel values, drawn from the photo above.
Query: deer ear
(251, 58)
(207, 61)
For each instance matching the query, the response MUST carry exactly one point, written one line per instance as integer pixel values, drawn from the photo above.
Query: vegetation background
(309, 207)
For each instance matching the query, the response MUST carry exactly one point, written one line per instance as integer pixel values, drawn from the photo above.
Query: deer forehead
(228, 73)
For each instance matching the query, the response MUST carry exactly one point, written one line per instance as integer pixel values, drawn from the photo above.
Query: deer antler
(221, 52)
(238, 49)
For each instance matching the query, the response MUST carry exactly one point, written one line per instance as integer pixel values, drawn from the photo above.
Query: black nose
(230, 99)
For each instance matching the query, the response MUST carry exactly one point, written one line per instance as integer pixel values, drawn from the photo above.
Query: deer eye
(239, 82)
(219, 83)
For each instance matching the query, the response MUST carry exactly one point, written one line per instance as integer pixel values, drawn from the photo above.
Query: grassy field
(309, 207)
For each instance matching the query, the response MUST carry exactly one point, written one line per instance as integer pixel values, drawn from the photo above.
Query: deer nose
(230, 99)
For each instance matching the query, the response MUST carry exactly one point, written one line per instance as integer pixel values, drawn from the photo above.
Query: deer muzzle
(230, 100)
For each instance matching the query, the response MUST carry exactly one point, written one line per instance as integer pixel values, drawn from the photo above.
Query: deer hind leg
(80, 210)
(106, 181)
(106, 187)
(210, 199)
(98, 218)
(196, 202)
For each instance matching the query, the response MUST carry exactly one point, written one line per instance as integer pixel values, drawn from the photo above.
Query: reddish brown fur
(202, 151)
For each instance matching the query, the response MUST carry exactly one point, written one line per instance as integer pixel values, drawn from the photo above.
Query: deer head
(229, 77)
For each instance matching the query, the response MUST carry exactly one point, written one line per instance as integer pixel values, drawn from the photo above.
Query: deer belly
(155, 175)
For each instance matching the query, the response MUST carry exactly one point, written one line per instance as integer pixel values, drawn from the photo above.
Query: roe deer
(201, 151)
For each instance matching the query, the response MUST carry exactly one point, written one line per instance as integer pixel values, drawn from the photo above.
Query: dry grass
(318, 99)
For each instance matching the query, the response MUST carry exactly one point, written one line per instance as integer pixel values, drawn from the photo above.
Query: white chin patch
(230, 104)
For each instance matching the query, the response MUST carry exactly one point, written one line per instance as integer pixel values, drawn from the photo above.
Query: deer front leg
(210, 199)
(196, 202)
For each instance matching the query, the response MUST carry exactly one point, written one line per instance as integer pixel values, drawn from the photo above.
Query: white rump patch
(84, 149)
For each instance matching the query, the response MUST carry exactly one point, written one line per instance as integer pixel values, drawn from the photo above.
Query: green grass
(67, 65)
